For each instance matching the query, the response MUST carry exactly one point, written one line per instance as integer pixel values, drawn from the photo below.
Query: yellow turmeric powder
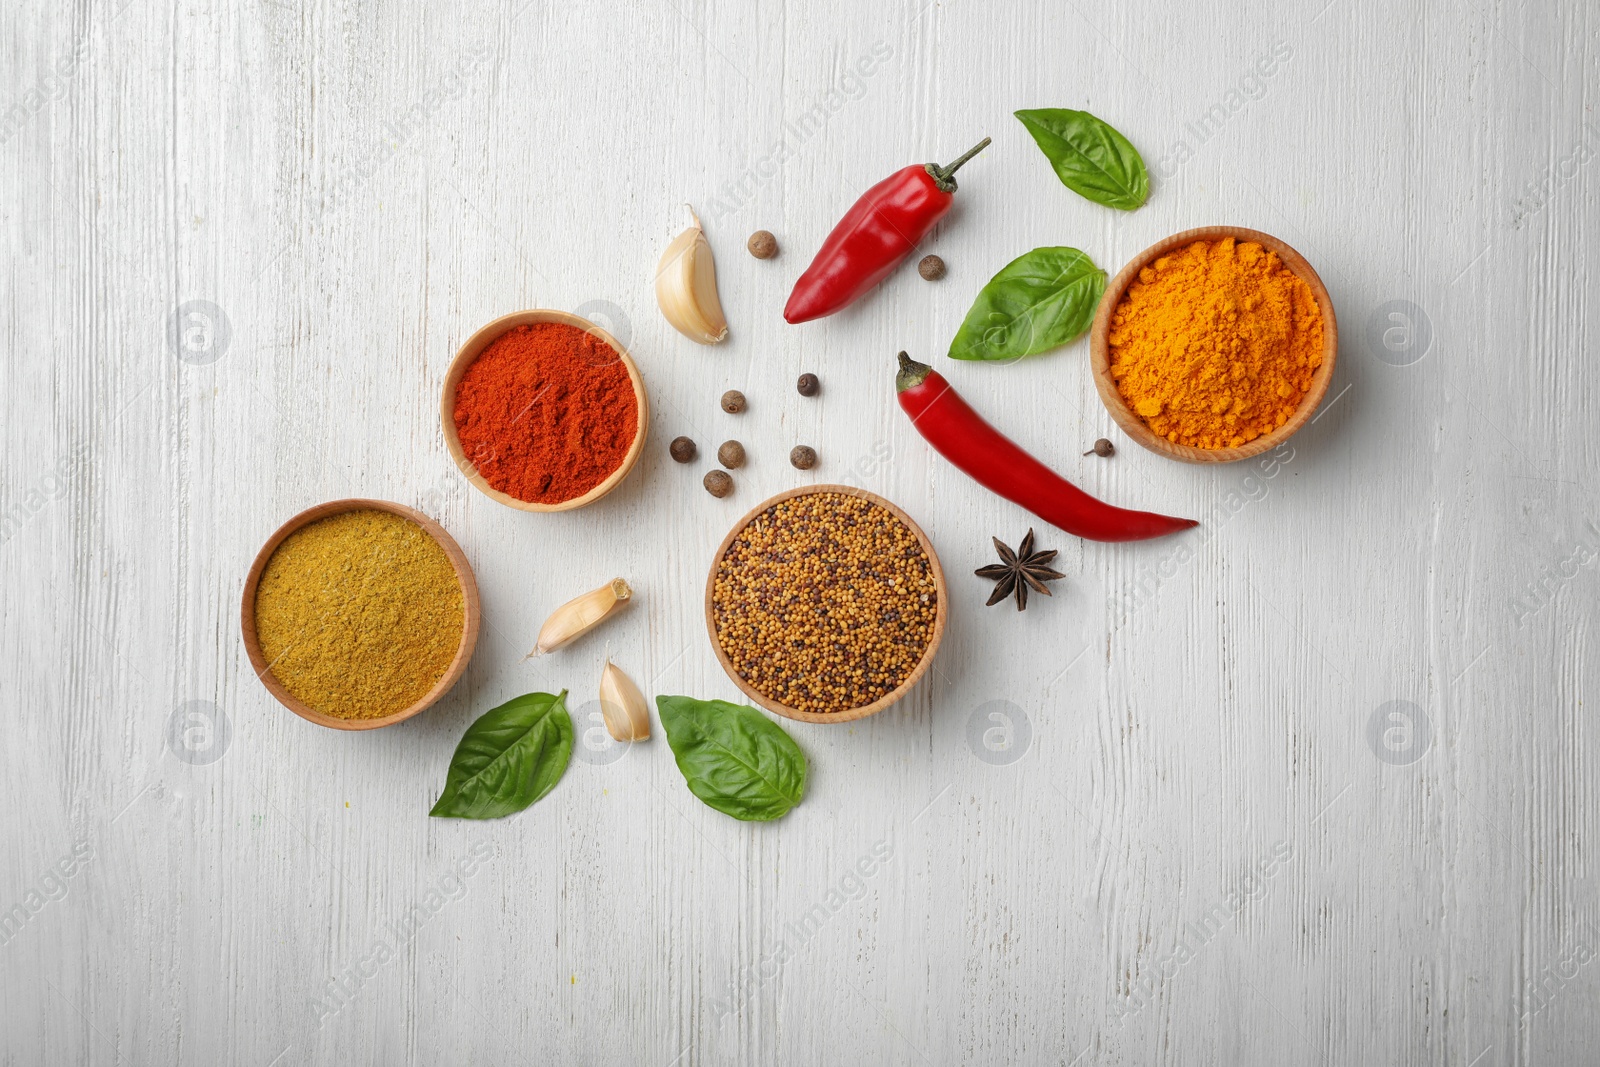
(1215, 344)
(359, 614)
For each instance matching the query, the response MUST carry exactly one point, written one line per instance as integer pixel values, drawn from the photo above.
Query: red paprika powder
(546, 412)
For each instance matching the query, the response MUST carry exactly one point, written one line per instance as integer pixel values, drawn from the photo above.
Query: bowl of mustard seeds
(826, 604)
(358, 614)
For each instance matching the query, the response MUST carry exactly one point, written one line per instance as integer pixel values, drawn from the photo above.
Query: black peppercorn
(808, 385)
(931, 268)
(733, 401)
(731, 455)
(683, 450)
(718, 483)
(1102, 447)
(804, 457)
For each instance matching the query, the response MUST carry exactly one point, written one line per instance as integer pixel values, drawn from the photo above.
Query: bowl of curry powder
(360, 613)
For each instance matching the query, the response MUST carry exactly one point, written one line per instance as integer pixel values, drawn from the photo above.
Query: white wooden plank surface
(358, 186)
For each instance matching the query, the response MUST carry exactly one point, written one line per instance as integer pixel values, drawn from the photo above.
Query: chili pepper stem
(911, 374)
(946, 175)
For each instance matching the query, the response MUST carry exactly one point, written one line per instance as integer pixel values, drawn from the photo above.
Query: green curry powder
(359, 614)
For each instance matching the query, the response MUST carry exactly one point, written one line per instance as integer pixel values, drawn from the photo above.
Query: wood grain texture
(1222, 842)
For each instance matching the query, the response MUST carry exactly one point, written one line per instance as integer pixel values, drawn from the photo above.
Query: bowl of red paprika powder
(544, 411)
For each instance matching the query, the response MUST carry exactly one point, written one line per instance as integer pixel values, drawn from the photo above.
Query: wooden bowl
(472, 613)
(882, 702)
(1133, 425)
(475, 346)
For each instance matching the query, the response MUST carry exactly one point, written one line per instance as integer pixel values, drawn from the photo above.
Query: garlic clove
(580, 615)
(623, 707)
(686, 287)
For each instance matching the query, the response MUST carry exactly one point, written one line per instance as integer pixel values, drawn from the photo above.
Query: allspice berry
(731, 455)
(683, 450)
(718, 483)
(1102, 447)
(804, 457)
(733, 401)
(808, 385)
(762, 245)
(931, 268)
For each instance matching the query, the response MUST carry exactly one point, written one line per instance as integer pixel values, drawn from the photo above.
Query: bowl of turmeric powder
(1214, 345)
(360, 613)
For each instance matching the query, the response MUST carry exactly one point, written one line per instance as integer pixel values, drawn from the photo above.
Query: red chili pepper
(998, 463)
(871, 240)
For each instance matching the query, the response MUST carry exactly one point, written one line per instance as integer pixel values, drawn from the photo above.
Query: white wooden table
(1320, 792)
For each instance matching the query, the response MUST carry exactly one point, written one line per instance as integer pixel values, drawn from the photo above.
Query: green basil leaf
(1089, 157)
(512, 756)
(734, 758)
(1038, 301)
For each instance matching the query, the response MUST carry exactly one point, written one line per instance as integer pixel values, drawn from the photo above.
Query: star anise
(1019, 570)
